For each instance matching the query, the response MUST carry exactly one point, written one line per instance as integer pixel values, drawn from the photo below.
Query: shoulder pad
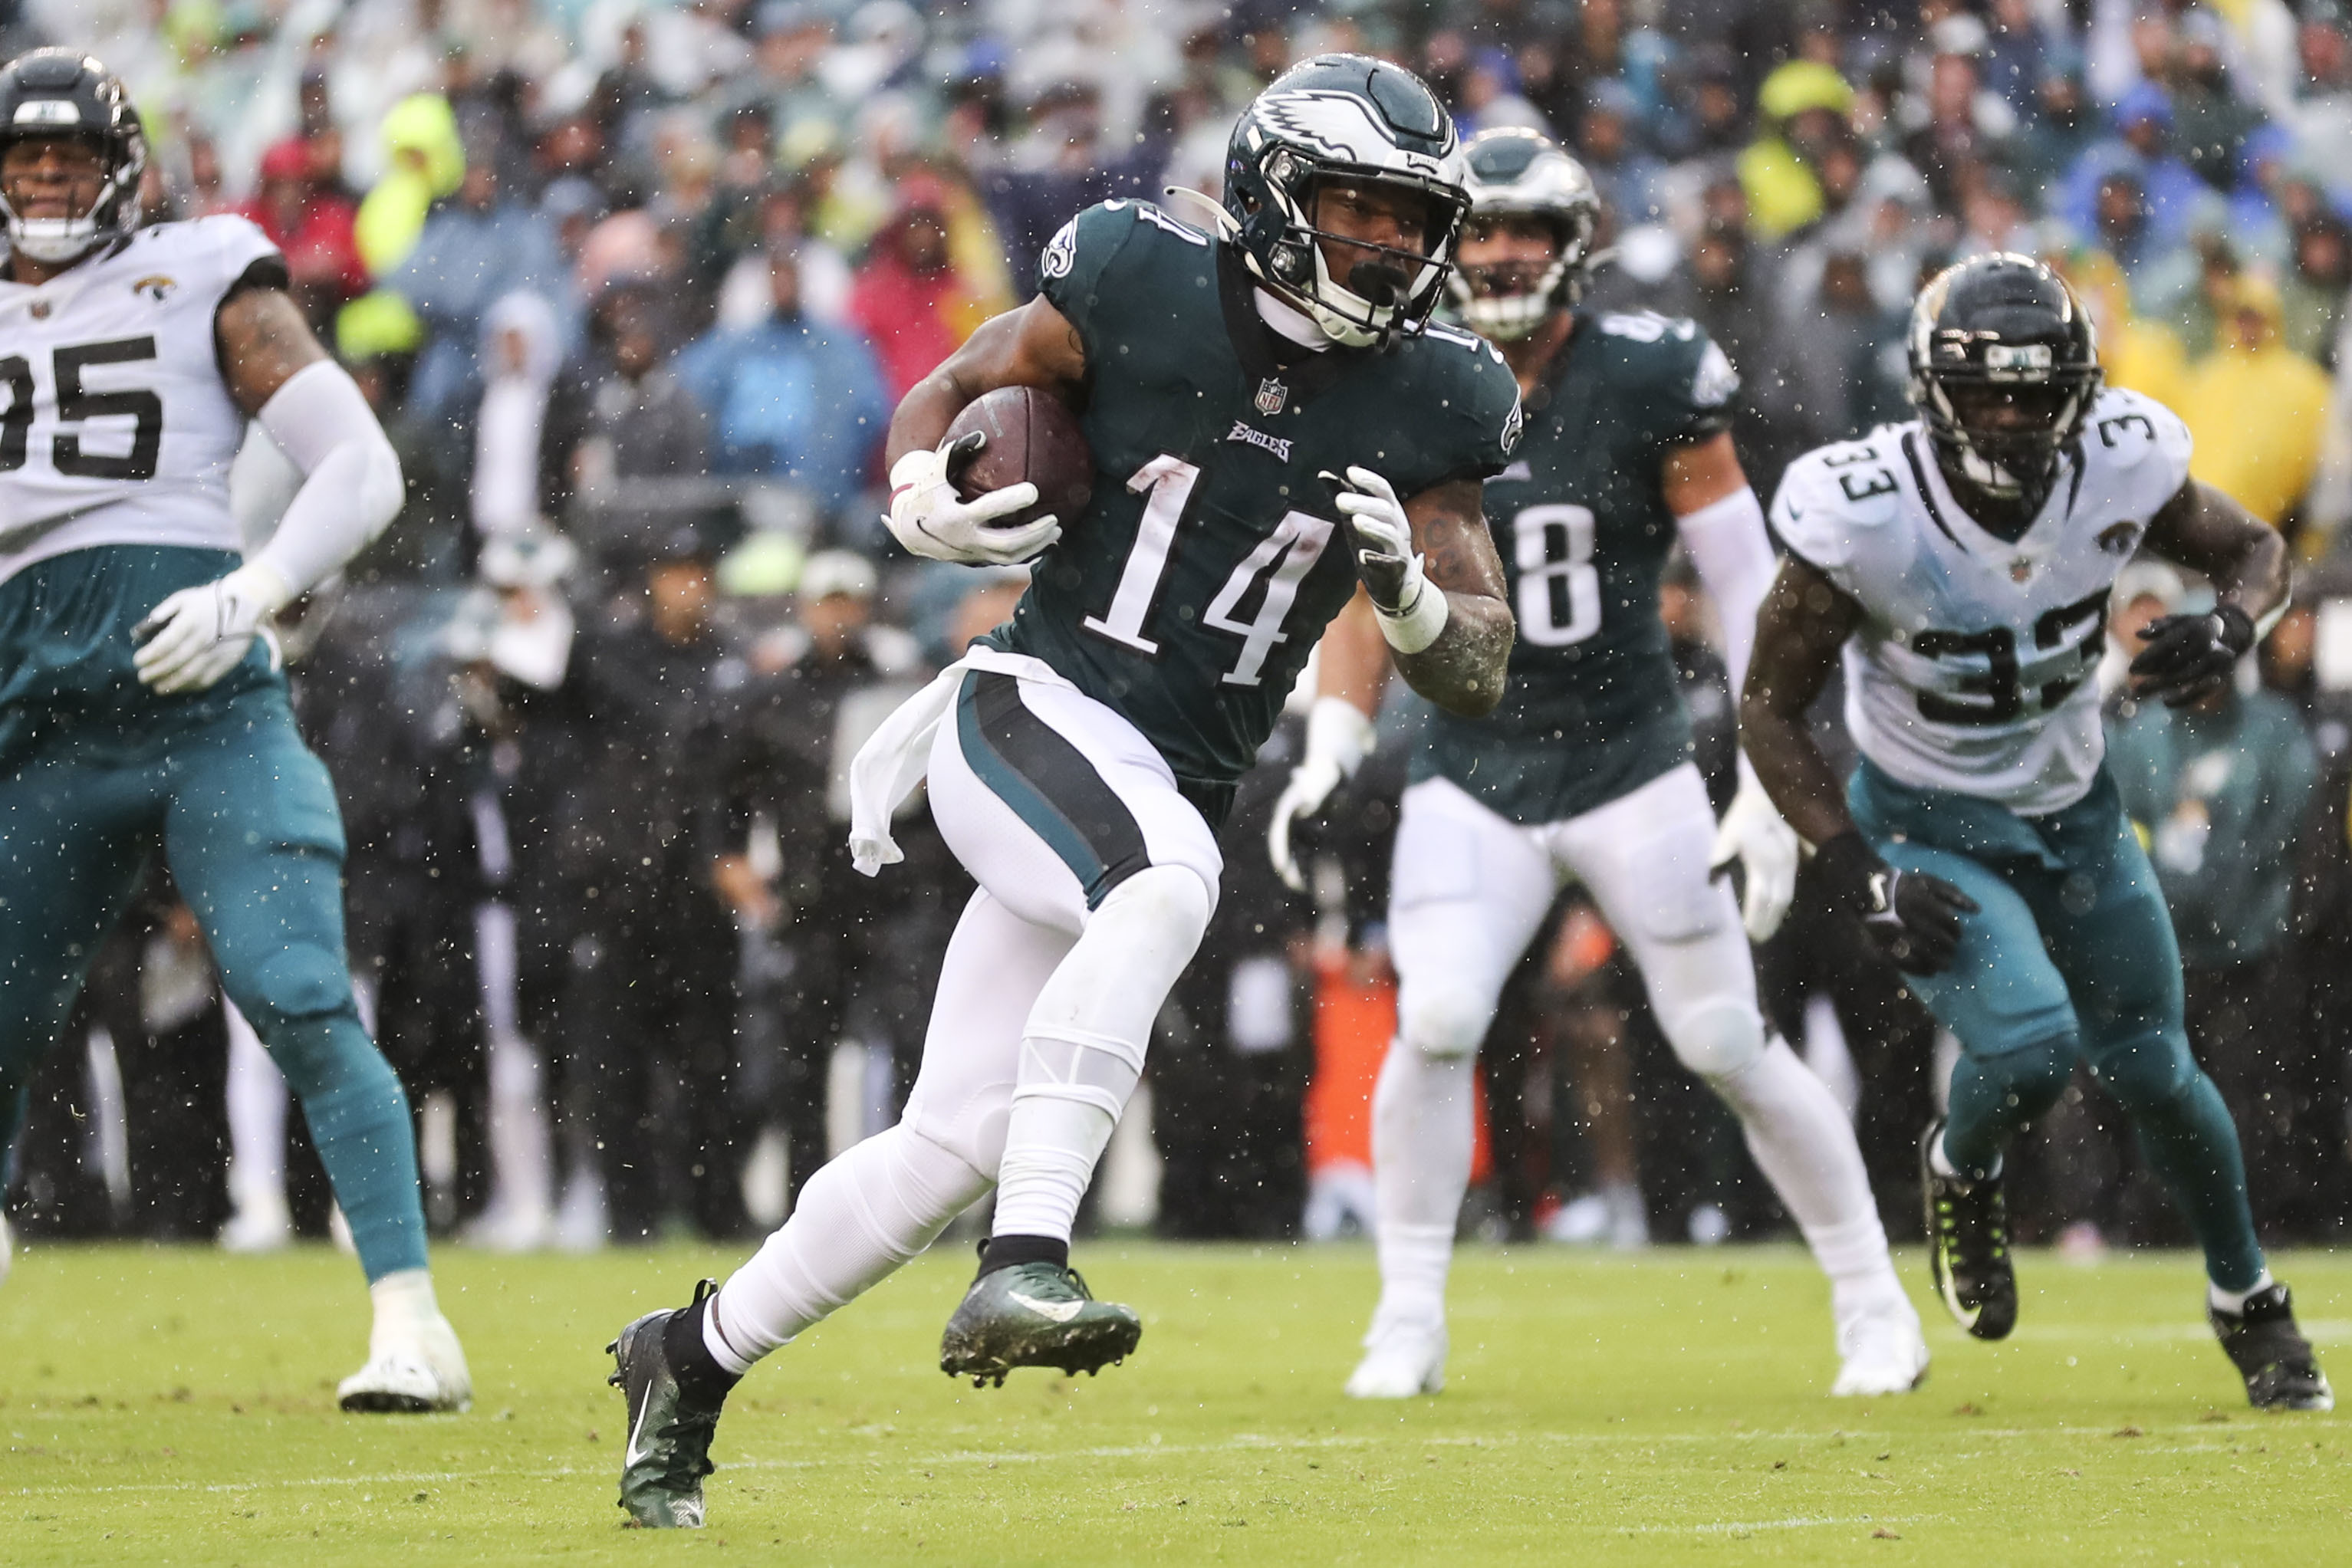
(1159, 217)
(1830, 494)
(207, 254)
(2125, 428)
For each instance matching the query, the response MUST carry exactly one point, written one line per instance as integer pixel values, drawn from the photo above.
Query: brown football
(1033, 436)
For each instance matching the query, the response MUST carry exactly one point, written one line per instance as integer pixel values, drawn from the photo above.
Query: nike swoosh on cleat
(1058, 1312)
(635, 1453)
(1967, 1315)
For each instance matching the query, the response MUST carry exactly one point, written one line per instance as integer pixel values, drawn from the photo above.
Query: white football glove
(199, 634)
(1339, 738)
(929, 517)
(1411, 610)
(1753, 834)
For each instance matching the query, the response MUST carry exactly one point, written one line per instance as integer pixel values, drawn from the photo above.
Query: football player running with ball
(141, 708)
(1274, 428)
(1960, 564)
(1584, 773)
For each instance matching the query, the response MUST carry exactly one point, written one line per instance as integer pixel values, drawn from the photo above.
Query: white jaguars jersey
(115, 425)
(1971, 669)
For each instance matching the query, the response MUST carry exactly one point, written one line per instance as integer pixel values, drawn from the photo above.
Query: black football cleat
(669, 1429)
(1967, 1245)
(1034, 1314)
(2270, 1353)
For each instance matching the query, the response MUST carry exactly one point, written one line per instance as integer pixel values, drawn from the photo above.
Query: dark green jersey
(1204, 570)
(1593, 710)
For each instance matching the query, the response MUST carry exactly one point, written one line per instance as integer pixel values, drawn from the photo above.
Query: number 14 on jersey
(1282, 560)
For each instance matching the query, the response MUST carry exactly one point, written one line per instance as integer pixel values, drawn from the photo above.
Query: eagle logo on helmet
(1345, 118)
(1512, 172)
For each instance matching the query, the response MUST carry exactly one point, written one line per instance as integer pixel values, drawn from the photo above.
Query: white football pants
(1097, 880)
(1470, 890)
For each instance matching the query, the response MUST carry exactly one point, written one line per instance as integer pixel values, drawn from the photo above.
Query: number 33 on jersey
(1189, 594)
(115, 427)
(1971, 668)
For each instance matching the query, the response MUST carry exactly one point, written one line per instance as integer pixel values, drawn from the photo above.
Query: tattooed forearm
(1463, 671)
(263, 341)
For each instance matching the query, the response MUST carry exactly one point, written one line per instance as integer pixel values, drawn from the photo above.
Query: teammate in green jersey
(1252, 397)
(1584, 771)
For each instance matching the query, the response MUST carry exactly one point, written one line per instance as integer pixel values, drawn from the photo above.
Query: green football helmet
(1514, 172)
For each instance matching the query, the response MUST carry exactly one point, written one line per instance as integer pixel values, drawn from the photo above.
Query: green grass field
(177, 1406)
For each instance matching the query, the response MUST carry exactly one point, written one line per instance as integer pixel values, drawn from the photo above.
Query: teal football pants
(2071, 956)
(246, 818)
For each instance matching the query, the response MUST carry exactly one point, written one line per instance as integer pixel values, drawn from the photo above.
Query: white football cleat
(417, 1372)
(1401, 1361)
(1884, 1351)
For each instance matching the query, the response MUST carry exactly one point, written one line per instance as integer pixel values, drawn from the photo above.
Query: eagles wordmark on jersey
(1970, 671)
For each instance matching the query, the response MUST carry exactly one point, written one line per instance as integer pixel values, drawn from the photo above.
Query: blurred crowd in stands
(635, 286)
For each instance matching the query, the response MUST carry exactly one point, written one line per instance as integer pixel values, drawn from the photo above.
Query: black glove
(1914, 918)
(2190, 656)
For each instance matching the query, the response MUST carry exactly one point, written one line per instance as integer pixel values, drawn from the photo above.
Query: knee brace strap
(1070, 1064)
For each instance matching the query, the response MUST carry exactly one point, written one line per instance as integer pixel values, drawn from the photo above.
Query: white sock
(1051, 1148)
(1805, 1147)
(1423, 1129)
(860, 1218)
(404, 1304)
(1082, 1048)
(2236, 1301)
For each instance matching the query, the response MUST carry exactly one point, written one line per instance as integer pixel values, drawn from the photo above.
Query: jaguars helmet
(1514, 172)
(56, 93)
(2002, 328)
(1353, 118)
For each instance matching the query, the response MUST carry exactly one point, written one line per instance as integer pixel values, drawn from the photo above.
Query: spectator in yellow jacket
(1805, 105)
(2257, 409)
(2134, 353)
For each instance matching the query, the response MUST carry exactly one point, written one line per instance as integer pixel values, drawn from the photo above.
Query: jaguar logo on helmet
(1345, 118)
(50, 93)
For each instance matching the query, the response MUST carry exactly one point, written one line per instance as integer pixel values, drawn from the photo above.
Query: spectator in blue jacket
(478, 247)
(2141, 148)
(789, 398)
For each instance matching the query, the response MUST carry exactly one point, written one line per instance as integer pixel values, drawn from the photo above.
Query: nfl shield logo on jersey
(1271, 395)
